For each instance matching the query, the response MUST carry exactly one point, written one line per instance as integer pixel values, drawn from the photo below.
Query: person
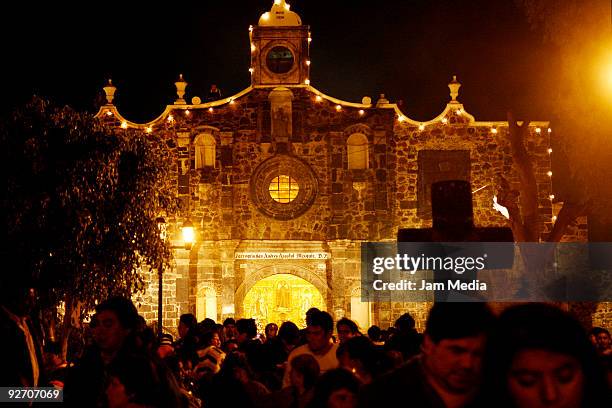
(229, 329)
(405, 339)
(249, 343)
(346, 329)
(55, 366)
(304, 373)
(166, 347)
(375, 334)
(336, 388)
(185, 347)
(447, 373)
(213, 94)
(319, 330)
(601, 340)
(540, 356)
(114, 328)
(359, 356)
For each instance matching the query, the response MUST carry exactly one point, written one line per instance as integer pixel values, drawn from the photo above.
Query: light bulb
(361, 111)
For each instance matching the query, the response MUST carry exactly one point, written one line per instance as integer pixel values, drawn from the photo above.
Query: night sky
(407, 49)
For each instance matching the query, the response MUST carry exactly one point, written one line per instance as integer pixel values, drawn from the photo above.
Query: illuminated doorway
(206, 304)
(280, 298)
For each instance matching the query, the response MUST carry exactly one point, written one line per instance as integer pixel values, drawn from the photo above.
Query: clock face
(279, 60)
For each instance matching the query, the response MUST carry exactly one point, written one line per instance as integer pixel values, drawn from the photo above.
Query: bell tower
(280, 48)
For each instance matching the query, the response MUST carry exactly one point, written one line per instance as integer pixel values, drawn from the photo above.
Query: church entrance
(279, 298)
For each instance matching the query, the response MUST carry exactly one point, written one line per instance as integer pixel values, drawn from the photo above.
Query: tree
(79, 207)
(582, 33)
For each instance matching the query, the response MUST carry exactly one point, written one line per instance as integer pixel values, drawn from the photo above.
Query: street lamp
(188, 234)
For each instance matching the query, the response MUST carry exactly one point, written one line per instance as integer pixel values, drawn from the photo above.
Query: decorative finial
(181, 84)
(109, 90)
(382, 100)
(454, 86)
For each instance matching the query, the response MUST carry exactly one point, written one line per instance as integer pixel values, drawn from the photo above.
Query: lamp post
(188, 234)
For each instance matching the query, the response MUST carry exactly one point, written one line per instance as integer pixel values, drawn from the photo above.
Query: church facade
(284, 183)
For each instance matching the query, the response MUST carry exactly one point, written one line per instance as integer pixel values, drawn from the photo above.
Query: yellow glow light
(265, 16)
(459, 111)
(552, 196)
(401, 118)
(253, 47)
(170, 118)
(277, 2)
(549, 173)
(231, 102)
(148, 129)
(318, 98)
(307, 81)
(493, 130)
(606, 73)
(287, 6)
(338, 107)
(308, 62)
(361, 111)
(554, 218)
(444, 120)
(109, 113)
(538, 130)
(187, 113)
(251, 70)
(124, 125)
(210, 110)
(549, 150)
(549, 130)
(309, 39)
(250, 28)
(421, 127)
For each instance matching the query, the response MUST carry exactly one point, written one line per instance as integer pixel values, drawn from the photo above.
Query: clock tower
(280, 48)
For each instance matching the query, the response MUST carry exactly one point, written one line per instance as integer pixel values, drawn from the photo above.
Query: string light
(148, 129)
(251, 70)
(459, 111)
(538, 130)
(361, 112)
(252, 47)
(554, 218)
(401, 118)
(549, 130)
(308, 62)
(549, 173)
(187, 113)
(318, 98)
(109, 113)
(421, 127)
(250, 28)
(210, 109)
(124, 125)
(552, 196)
(444, 120)
(338, 108)
(170, 118)
(549, 150)
(231, 102)
(494, 130)
(307, 81)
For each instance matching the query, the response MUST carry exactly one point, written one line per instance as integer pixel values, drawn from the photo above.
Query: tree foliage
(80, 205)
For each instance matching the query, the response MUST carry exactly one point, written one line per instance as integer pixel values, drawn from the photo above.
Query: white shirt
(327, 361)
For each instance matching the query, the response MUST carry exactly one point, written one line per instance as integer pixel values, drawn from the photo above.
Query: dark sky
(408, 49)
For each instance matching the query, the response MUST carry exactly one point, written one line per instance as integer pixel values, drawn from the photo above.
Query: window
(204, 151)
(357, 146)
(283, 189)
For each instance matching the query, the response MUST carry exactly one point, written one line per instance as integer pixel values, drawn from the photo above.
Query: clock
(279, 60)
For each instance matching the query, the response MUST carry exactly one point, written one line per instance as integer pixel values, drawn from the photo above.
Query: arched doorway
(281, 297)
(206, 304)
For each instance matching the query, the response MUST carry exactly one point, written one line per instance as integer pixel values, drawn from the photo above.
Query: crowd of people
(532, 355)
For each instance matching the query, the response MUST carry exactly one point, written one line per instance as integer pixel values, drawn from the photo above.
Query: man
(319, 344)
(447, 373)
(185, 346)
(602, 341)
(406, 339)
(249, 344)
(229, 329)
(346, 329)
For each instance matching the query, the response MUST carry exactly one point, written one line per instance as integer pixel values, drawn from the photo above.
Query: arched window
(357, 146)
(204, 151)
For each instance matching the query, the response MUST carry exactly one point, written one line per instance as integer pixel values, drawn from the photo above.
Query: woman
(336, 388)
(540, 356)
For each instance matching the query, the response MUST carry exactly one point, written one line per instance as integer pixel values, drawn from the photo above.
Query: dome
(280, 15)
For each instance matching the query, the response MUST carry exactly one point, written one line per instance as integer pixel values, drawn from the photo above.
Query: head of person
(210, 338)
(540, 356)
(187, 322)
(346, 329)
(601, 339)
(134, 380)
(115, 319)
(166, 347)
(52, 352)
(359, 356)
(374, 333)
(405, 323)
(336, 388)
(247, 330)
(289, 334)
(455, 337)
(319, 330)
(304, 371)
(229, 327)
(271, 331)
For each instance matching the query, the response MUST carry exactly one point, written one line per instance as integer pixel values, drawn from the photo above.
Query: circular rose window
(279, 60)
(283, 187)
